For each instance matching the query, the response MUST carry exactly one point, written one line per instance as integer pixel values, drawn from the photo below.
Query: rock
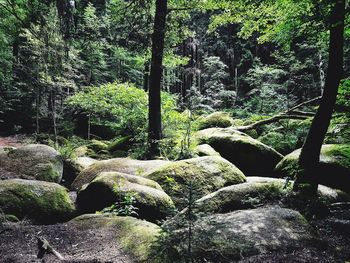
(216, 119)
(334, 169)
(122, 165)
(43, 202)
(204, 175)
(206, 150)
(107, 188)
(249, 155)
(73, 167)
(136, 237)
(97, 146)
(256, 192)
(33, 162)
(120, 144)
(231, 236)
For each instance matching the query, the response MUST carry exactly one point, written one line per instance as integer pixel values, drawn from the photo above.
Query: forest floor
(18, 244)
(12, 141)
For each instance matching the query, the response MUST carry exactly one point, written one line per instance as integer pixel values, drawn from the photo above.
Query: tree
(310, 153)
(154, 112)
(278, 21)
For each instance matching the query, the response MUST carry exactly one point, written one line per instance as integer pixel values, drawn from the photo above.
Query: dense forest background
(59, 58)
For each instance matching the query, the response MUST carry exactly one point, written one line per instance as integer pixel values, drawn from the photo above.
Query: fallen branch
(273, 119)
(45, 248)
(302, 104)
(291, 114)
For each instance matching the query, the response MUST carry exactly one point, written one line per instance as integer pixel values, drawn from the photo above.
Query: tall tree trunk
(310, 153)
(154, 112)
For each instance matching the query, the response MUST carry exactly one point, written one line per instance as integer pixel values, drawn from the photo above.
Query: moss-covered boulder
(334, 168)
(248, 154)
(73, 167)
(257, 191)
(108, 188)
(200, 176)
(43, 202)
(120, 144)
(122, 165)
(216, 119)
(205, 150)
(229, 237)
(33, 162)
(136, 237)
(97, 146)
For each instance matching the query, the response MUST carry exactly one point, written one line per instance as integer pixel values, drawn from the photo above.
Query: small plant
(125, 207)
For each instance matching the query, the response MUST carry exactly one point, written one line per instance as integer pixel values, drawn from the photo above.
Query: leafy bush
(124, 107)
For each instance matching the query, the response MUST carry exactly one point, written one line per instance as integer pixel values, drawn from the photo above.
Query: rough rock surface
(107, 188)
(334, 169)
(198, 176)
(206, 150)
(231, 236)
(33, 162)
(122, 165)
(248, 154)
(43, 202)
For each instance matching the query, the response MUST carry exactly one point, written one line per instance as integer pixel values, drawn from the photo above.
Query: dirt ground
(18, 244)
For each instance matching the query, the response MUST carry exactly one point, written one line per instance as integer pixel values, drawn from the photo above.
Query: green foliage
(124, 107)
(343, 99)
(123, 208)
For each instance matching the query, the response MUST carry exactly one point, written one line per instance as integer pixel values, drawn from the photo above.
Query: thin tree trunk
(146, 76)
(154, 113)
(310, 153)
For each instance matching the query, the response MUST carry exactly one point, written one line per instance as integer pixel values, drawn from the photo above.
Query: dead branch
(291, 114)
(45, 248)
(273, 119)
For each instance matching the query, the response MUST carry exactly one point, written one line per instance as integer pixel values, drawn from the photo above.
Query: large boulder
(256, 192)
(135, 237)
(248, 154)
(196, 177)
(229, 237)
(334, 168)
(33, 162)
(216, 119)
(43, 202)
(108, 188)
(122, 165)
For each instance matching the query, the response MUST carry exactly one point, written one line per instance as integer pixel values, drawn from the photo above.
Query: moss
(216, 119)
(136, 237)
(203, 174)
(111, 187)
(121, 144)
(333, 171)
(248, 154)
(97, 145)
(123, 165)
(38, 162)
(41, 201)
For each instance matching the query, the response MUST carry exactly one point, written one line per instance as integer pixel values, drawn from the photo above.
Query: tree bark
(154, 112)
(307, 180)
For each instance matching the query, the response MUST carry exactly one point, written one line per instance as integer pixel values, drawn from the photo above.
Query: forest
(174, 131)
